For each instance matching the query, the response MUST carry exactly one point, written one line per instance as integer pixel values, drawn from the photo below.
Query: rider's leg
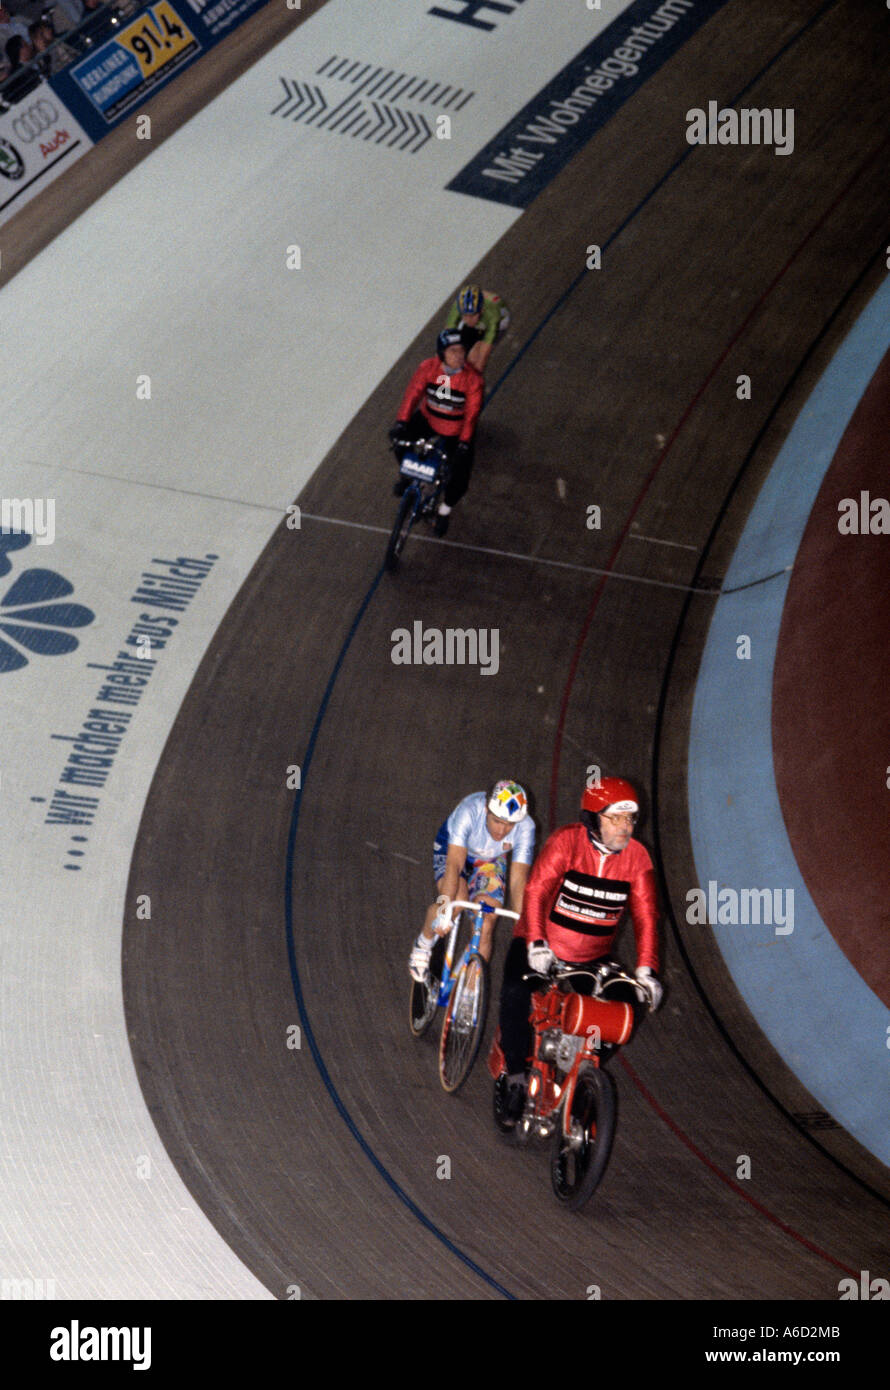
(488, 883)
(461, 467)
(516, 1033)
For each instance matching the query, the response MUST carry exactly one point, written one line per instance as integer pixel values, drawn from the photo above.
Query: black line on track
(295, 974)
(659, 725)
(322, 710)
(752, 583)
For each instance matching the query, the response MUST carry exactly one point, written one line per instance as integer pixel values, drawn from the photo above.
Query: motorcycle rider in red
(585, 877)
(444, 398)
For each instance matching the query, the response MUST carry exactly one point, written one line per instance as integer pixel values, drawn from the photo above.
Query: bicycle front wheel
(578, 1161)
(403, 523)
(464, 1023)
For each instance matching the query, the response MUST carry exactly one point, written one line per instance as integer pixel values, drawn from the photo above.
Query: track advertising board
(122, 73)
(39, 139)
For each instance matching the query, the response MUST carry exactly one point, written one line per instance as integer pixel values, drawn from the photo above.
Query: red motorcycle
(571, 1098)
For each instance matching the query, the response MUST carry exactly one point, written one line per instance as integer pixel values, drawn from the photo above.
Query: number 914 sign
(149, 50)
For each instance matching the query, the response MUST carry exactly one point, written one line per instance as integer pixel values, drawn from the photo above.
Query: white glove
(648, 987)
(540, 957)
(419, 960)
(442, 922)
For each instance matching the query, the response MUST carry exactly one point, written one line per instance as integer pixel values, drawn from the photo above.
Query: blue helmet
(470, 299)
(449, 337)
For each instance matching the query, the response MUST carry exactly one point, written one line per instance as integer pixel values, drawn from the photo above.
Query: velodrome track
(318, 1166)
(728, 267)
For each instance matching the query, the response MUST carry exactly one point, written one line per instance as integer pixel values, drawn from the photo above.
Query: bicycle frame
(480, 910)
(423, 461)
(424, 465)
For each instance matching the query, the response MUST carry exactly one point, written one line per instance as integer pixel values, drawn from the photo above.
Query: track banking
(549, 126)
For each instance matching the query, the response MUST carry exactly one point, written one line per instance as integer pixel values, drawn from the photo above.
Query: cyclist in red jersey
(444, 398)
(582, 882)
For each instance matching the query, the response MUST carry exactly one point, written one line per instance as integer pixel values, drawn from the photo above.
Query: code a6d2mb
(803, 1332)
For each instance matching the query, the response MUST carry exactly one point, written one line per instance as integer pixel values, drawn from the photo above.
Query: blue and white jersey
(466, 826)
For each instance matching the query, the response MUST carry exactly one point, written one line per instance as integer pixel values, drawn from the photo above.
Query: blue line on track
(322, 710)
(298, 989)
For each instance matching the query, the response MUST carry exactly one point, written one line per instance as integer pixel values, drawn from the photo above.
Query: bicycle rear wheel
(403, 523)
(464, 1023)
(577, 1163)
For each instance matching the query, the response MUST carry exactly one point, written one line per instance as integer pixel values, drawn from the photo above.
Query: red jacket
(451, 404)
(576, 896)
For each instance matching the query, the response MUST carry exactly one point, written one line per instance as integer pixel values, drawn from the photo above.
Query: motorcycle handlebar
(563, 973)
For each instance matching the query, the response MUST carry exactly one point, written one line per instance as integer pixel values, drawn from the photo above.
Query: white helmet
(508, 801)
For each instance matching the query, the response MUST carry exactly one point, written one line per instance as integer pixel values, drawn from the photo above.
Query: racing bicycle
(463, 991)
(570, 1098)
(424, 464)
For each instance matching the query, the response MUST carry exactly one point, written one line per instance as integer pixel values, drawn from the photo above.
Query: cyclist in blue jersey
(470, 856)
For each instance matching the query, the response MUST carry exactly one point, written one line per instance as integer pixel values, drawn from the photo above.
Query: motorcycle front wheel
(578, 1161)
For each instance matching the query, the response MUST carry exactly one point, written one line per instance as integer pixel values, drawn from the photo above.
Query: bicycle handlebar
(479, 907)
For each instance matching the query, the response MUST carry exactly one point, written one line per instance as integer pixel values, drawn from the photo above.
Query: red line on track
(656, 467)
(739, 1191)
(582, 638)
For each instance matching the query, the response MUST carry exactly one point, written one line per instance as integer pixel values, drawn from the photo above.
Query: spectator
(67, 15)
(43, 38)
(13, 39)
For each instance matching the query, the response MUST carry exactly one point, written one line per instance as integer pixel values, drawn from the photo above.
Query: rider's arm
(479, 354)
(516, 886)
(540, 890)
(473, 392)
(643, 904)
(454, 864)
(491, 321)
(414, 394)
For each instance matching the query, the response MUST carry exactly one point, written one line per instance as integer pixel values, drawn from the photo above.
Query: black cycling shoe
(440, 525)
(516, 1094)
(509, 1103)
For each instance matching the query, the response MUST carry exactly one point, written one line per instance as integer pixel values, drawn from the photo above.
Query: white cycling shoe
(419, 960)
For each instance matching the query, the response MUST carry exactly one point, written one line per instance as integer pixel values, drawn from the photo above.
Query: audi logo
(39, 116)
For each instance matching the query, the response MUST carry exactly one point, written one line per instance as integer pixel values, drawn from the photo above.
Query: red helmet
(613, 794)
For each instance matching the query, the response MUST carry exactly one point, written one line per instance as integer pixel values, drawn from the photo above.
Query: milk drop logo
(30, 615)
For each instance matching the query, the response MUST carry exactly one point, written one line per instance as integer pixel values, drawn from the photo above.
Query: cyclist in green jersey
(483, 318)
